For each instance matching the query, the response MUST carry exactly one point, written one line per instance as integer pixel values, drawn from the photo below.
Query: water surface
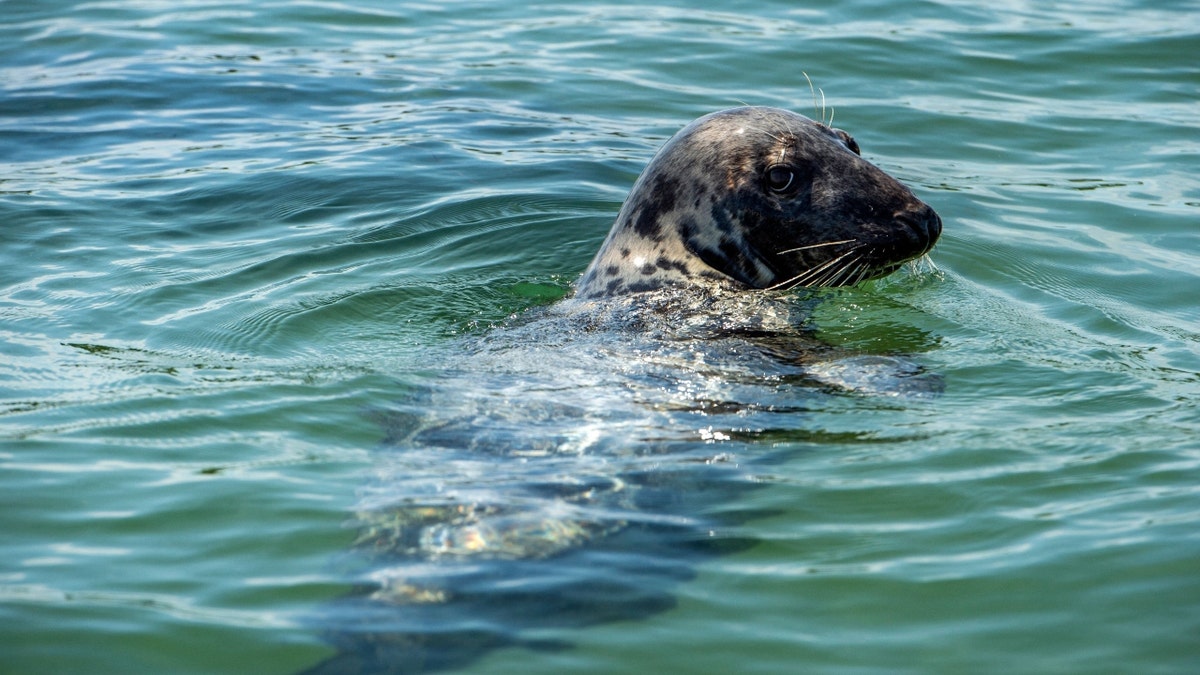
(232, 233)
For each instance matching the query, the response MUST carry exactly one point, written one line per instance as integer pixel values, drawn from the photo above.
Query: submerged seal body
(759, 198)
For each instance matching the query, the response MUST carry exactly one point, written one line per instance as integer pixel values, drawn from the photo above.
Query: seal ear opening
(851, 144)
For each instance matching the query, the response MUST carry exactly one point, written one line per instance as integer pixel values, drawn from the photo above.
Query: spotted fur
(706, 211)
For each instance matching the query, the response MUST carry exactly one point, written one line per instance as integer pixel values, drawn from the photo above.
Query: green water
(229, 232)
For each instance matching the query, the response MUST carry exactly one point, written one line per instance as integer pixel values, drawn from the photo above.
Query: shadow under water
(589, 459)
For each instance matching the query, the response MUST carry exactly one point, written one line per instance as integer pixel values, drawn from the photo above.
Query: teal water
(230, 233)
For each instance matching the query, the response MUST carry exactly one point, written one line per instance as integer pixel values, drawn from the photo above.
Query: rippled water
(250, 248)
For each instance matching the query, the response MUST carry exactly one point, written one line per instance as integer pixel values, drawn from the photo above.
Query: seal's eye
(780, 178)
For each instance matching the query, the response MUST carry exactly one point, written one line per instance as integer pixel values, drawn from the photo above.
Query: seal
(575, 465)
(759, 198)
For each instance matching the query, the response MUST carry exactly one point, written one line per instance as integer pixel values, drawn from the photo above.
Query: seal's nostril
(923, 221)
(933, 225)
(924, 227)
(915, 224)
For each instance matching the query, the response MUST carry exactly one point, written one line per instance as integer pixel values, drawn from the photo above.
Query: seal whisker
(831, 276)
(811, 276)
(813, 90)
(847, 270)
(833, 266)
(764, 132)
(863, 271)
(788, 283)
(821, 281)
(847, 277)
(791, 129)
(820, 111)
(860, 271)
(827, 243)
(815, 275)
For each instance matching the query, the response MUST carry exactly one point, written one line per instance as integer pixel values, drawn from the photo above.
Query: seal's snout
(924, 224)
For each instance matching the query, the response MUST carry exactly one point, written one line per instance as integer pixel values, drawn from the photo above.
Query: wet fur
(702, 212)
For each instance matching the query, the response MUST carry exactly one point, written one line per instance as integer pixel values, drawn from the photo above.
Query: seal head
(762, 198)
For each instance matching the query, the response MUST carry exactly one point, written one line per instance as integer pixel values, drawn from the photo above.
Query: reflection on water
(574, 467)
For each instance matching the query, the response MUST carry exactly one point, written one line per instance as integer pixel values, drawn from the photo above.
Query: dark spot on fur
(733, 253)
(612, 270)
(666, 190)
(662, 199)
(717, 259)
(687, 229)
(643, 286)
(646, 224)
(624, 253)
(647, 269)
(614, 286)
(665, 263)
(721, 215)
